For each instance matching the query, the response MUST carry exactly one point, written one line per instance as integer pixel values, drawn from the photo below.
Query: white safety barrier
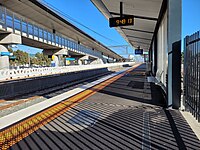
(11, 74)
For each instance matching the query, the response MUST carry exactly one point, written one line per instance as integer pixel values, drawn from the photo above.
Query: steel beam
(135, 16)
(137, 30)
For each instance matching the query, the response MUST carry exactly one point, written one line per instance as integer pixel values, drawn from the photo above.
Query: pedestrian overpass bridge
(33, 24)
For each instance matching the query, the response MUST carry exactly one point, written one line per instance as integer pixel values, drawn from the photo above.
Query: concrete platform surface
(124, 112)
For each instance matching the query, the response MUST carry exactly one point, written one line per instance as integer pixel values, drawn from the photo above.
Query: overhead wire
(44, 2)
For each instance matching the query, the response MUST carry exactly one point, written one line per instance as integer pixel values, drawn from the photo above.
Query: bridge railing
(13, 22)
(9, 74)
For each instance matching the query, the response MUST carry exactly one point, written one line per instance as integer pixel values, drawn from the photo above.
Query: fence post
(198, 69)
(184, 71)
(176, 74)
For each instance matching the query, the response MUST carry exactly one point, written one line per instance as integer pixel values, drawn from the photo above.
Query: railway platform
(122, 112)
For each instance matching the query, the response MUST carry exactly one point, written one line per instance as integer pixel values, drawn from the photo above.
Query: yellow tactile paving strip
(17, 132)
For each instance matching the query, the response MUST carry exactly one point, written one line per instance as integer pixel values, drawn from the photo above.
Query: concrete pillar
(55, 59)
(80, 62)
(174, 50)
(96, 61)
(5, 40)
(4, 60)
(10, 38)
(84, 59)
(57, 55)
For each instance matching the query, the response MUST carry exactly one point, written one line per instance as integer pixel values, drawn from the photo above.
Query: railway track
(10, 105)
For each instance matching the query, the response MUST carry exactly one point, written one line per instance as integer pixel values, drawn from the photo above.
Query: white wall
(162, 51)
(174, 35)
(153, 55)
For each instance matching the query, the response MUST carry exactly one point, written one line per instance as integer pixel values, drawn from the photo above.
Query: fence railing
(13, 22)
(192, 74)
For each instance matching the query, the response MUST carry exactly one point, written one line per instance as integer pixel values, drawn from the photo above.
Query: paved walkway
(125, 112)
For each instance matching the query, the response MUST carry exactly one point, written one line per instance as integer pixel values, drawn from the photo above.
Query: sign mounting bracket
(121, 9)
(123, 20)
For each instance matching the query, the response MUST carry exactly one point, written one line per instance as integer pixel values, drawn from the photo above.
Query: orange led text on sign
(121, 21)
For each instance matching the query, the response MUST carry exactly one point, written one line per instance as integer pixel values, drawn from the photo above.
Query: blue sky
(86, 13)
(191, 17)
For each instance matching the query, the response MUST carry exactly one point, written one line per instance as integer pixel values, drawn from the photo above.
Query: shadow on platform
(94, 124)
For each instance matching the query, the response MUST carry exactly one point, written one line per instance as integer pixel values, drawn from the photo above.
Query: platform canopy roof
(146, 16)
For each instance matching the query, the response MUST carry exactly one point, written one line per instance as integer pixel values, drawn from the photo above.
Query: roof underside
(146, 14)
(40, 14)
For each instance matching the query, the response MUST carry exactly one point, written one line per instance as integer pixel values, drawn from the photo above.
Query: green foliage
(182, 57)
(41, 60)
(22, 58)
(10, 50)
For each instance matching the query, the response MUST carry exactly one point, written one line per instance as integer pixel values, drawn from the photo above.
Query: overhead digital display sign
(121, 21)
(138, 51)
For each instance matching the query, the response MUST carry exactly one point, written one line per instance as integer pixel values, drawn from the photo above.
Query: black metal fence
(192, 74)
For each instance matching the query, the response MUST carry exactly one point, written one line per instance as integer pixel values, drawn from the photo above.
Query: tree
(33, 60)
(42, 60)
(10, 50)
(22, 58)
(12, 62)
(182, 57)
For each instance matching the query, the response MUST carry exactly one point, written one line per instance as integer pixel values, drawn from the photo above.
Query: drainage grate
(136, 73)
(136, 84)
(85, 117)
(146, 138)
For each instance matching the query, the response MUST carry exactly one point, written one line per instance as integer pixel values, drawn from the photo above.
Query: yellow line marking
(17, 132)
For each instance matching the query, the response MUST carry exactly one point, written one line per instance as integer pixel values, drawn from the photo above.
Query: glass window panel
(35, 31)
(30, 29)
(9, 19)
(40, 33)
(57, 40)
(49, 36)
(17, 23)
(24, 26)
(45, 34)
(2, 14)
